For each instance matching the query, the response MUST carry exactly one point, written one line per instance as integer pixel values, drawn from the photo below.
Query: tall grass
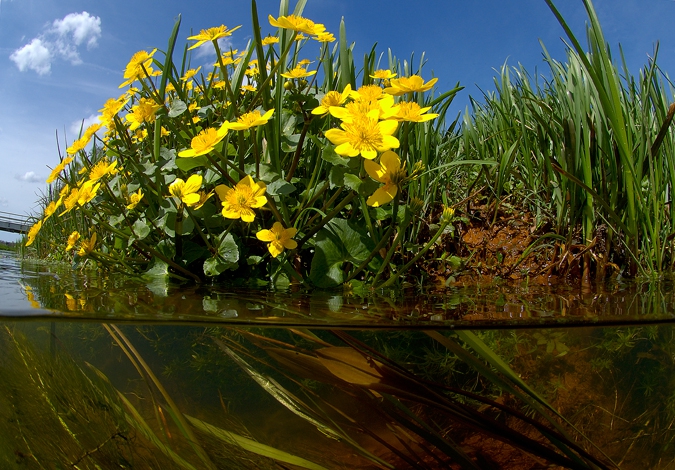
(593, 142)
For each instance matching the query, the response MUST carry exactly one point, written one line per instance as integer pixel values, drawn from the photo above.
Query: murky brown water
(108, 372)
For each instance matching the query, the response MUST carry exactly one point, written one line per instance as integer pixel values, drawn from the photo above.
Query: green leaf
(141, 229)
(330, 156)
(192, 252)
(115, 220)
(338, 242)
(228, 249)
(187, 164)
(353, 182)
(280, 188)
(176, 108)
(215, 265)
(337, 176)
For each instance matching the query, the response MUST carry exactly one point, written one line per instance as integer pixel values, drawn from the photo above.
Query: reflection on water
(223, 389)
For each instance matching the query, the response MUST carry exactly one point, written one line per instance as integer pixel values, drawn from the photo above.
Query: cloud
(30, 177)
(83, 124)
(207, 49)
(62, 39)
(33, 56)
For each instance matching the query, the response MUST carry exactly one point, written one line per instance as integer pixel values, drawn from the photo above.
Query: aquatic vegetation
(247, 170)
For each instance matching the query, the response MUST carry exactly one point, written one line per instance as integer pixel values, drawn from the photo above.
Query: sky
(60, 61)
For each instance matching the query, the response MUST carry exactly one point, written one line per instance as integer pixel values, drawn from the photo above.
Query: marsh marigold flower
(144, 111)
(249, 120)
(211, 34)
(87, 245)
(324, 37)
(32, 232)
(70, 201)
(269, 40)
(110, 109)
(364, 135)
(278, 238)
(139, 65)
(390, 172)
(87, 192)
(383, 74)
(101, 169)
(72, 240)
(51, 208)
(187, 191)
(297, 23)
(332, 98)
(205, 141)
(411, 111)
(134, 199)
(58, 169)
(239, 202)
(298, 72)
(414, 83)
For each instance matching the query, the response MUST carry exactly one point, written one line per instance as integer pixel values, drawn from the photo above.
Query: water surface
(103, 371)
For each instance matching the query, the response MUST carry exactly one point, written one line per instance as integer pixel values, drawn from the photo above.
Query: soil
(513, 246)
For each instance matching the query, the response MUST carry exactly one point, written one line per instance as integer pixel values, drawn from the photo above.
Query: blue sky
(60, 61)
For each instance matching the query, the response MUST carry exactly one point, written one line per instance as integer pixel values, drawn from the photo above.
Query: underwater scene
(99, 372)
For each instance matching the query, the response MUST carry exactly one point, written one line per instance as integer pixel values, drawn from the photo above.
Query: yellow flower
(269, 40)
(186, 191)
(390, 172)
(211, 34)
(252, 119)
(278, 238)
(383, 74)
(298, 72)
(239, 202)
(101, 169)
(203, 197)
(110, 110)
(365, 103)
(72, 240)
(87, 192)
(297, 23)
(325, 37)
(70, 302)
(51, 208)
(332, 98)
(245, 88)
(70, 201)
(364, 135)
(411, 111)
(31, 298)
(190, 74)
(138, 67)
(32, 232)
(78, 145)
(414, 83)
(134, 199)
(144, 111)
(58, 169)
(87, 245)
(446, 216)
(205, 141)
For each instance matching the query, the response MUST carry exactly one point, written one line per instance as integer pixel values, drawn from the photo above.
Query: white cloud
(30, 177)
(60, 40)
(33, 56)
(83, 124)
(207, 49)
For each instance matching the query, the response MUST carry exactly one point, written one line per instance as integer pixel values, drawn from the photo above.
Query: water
(109, 372)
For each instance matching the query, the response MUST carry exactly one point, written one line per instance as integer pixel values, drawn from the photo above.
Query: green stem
(429, 244)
